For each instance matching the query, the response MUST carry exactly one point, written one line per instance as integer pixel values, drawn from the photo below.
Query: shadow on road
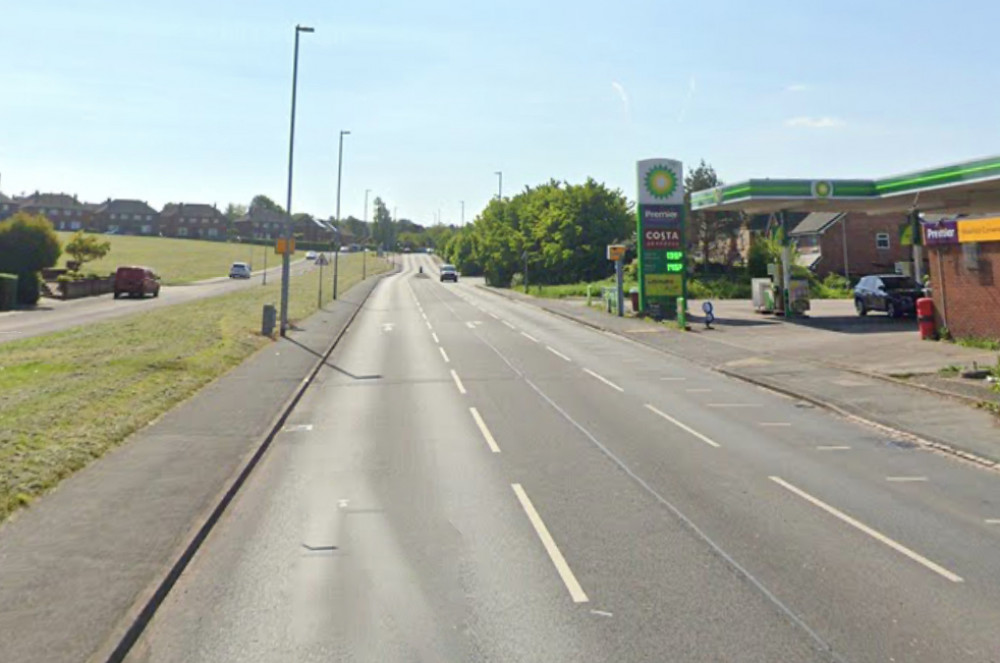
(329, 365)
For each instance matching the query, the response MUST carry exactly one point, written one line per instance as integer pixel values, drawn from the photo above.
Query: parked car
(449, 273)
(895, 294)
(240, 270)
(136, 281)
(311, 255)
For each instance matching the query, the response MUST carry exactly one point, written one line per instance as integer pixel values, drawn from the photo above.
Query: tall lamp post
(463, 211)
(499, 175)
(286, 255)
(340, 166)
(364, 244)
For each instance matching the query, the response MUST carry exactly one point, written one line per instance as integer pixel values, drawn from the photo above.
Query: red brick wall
(864, 257)
(967, 300)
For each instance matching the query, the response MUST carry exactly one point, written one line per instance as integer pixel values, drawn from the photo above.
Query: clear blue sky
(188, 100)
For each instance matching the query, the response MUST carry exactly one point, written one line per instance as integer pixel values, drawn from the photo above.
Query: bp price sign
(661, 246)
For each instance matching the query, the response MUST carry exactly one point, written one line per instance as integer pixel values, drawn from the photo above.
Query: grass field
(67, 398)
(175, 260)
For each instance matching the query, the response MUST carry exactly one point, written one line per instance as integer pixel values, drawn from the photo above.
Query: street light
(499, 174)
(340, 165)
(286, 255)
(463, 211)
(364, 244)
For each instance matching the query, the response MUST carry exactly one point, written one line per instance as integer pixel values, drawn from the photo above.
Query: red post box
(925, 318)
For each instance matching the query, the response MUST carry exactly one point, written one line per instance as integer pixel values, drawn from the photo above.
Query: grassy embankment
(176, 260)
(67, 398)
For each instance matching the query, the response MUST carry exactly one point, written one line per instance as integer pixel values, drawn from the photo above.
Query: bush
(28, 288)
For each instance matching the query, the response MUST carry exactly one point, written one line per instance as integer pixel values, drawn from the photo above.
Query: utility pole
(364, 243)
(463, 211)
(499, 175)
(340, 165)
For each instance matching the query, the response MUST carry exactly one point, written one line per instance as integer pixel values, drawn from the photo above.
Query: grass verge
(176, 260)
(69, 397)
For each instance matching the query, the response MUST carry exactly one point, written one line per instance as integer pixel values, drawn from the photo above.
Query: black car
(896, 295)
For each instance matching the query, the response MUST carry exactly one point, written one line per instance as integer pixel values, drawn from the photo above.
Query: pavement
(472, 478)
(79, 564)
(52, 315)
(874, 368)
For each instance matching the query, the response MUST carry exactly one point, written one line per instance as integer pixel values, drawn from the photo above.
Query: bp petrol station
(967, 190)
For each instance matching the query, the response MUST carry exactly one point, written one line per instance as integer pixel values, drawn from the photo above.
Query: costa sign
(661, 238)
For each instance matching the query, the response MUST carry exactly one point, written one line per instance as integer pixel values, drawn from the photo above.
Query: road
(56, 315)
(472, 479)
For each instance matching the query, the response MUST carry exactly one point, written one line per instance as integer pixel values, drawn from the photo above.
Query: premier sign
(660, 228)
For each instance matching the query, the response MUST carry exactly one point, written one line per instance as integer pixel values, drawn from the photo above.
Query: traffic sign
(616, 252)
(281, 249)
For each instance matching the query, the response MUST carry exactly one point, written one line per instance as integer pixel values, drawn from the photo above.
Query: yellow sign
(664, 285)
(280, 249)
(979, 230)
(616, 251)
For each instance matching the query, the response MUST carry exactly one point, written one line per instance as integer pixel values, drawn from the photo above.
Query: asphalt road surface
(472, 479)
(56, 315)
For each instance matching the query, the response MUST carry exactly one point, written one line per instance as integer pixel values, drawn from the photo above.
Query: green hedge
(8, 291)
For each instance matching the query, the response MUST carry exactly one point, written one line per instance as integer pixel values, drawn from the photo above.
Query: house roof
(189, 209)
(122, 206)
(814, 223)
(262, 215)
(5, 199)
(60, 200)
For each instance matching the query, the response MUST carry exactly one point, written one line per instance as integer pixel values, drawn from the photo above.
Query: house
(126, 217)
(194, 220)
(261, 223)
(65, 212)
(311, 229)
(872, 243)
(7, 207)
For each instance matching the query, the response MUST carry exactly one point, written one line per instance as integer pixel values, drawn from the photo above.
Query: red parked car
(138, 281)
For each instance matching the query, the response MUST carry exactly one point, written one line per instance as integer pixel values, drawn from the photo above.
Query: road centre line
(557, 353)
(508, 324)
(992, 521)
(707, 440)
(529, 336)
(905, 479)
(485, 431)
(603, 379)
(575, 591)
(493, 315)
(435, 337)
(832, 448)
(773, 424)
(444, 355)
(428, 323)
(735, 405)
(878, 536)
(697, 391)
(458, 382)
(673, 379)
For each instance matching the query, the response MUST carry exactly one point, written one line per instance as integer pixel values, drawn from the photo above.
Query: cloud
(796, 87)
(620, 89)
(824, 122)
(692, 86)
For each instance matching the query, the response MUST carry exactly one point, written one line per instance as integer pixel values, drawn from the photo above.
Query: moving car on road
(895, 294)
(311, 255)
(239, 270)
(136, 281)
(449, 273)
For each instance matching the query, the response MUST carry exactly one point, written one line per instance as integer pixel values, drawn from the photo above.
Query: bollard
(270, 319)
(681, 313)
(588, 295)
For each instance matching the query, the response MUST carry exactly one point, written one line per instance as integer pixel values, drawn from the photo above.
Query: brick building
(193, 220)
(126, 217)
(873, 243)
(65, 212)
(260, 223)
(7, 207)
(964, 260)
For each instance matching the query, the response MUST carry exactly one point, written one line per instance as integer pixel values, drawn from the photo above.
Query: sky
(188, 100)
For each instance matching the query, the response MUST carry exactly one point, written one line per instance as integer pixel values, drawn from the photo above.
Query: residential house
(261, 223)
(194, 220)
(7, 207)
(872, 243)
(126, 217)
(66, 212)
(311, 229)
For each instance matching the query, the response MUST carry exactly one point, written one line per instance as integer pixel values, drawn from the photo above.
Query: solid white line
(878, 536)
(734, 405)
(707, 440)
(508, 324)
(905, 479)
(529, 337)
(697, 391)
(458, 382)
(603, 379)
(575, 591)
(435, 337)
(674, 379)
(557, 353)
(993, 521)
(484, 430)
(833, 448)
(445, 355)
(602, 613)
(773, 423)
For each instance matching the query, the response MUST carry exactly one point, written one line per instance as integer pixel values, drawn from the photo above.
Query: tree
(235, 211)
(383, 227)
(85, 248)
(28, 244)
(709, 232)
(260, 201)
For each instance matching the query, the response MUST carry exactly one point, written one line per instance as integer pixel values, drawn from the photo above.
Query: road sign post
(616, 253)
(660, 232)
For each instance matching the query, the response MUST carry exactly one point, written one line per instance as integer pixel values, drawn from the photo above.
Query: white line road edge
(458, 382)
(557, 353)
(878, 536)
(603, 379)
(707, 440)
(444, 355)
(485, 431)
(529, 336)
(575, 591)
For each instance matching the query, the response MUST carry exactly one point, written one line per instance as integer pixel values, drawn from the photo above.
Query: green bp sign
(660, 234)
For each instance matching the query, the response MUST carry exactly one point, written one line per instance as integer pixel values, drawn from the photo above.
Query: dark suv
(896, 295)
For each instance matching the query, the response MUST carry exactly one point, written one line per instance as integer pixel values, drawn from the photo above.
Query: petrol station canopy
(971, 187)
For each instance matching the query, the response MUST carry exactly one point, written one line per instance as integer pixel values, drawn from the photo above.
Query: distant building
(872, 242)
(313, 230)
(65, 212)
(193, 220)
(126, 217)
(260, 223)
(7, 207)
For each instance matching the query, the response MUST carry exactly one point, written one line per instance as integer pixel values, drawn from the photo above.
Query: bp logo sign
(822, 189)
(661, 181)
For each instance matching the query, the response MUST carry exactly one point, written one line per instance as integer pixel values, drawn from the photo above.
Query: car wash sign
(660, 233)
